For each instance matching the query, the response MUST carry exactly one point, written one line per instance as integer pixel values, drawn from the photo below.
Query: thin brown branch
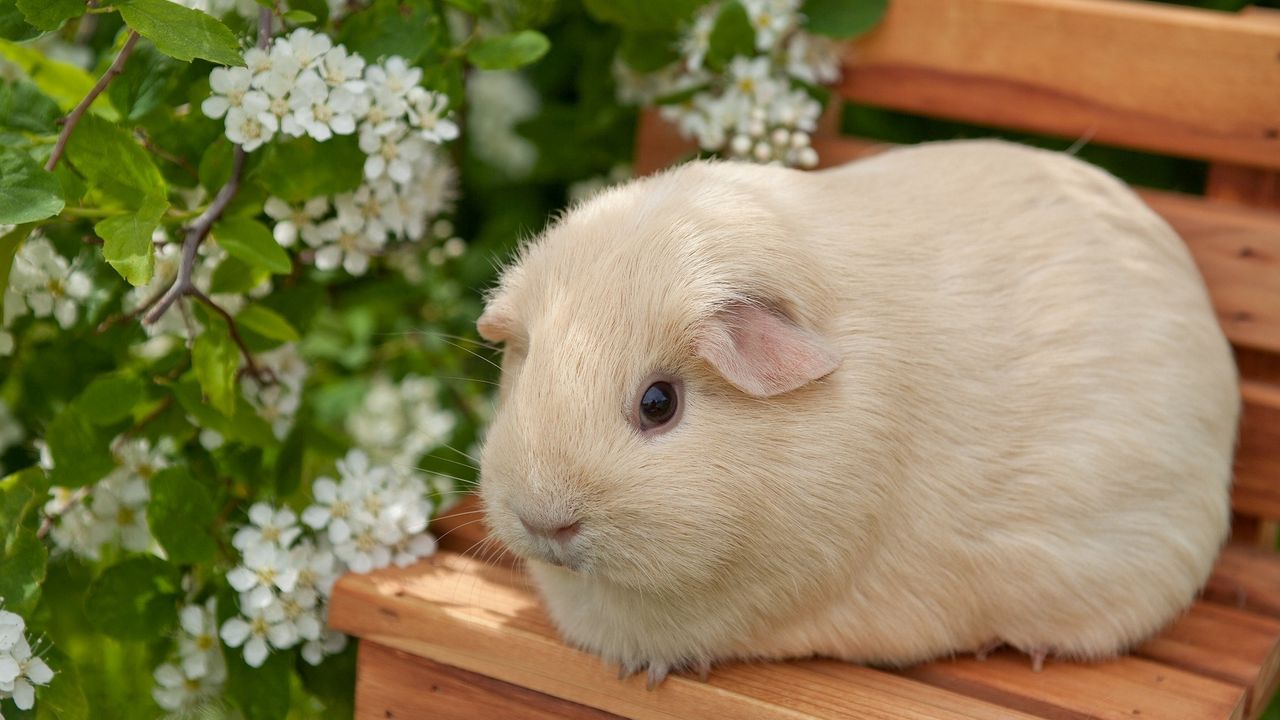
(78, 111)
(263, 376)
(199, 230)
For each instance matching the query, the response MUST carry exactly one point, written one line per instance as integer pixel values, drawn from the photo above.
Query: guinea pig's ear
(762, 352)
(497, 322)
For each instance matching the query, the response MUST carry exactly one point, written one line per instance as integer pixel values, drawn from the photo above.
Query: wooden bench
(457, 636)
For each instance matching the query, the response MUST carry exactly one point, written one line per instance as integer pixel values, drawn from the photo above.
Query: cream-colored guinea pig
(950, 396)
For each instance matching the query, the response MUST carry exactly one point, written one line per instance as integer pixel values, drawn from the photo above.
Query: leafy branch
(69, 125)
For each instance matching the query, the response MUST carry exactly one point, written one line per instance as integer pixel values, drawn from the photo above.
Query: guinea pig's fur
(952, 394)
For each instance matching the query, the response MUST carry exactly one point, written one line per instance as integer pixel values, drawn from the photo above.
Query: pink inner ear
(762, 353)
(493, 325)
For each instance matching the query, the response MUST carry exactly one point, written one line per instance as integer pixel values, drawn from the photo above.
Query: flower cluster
(43, 283)
(115, 511)
(369, 519)
(755, 107)
(499, 101)
(277, 402)
(20, 668)
(196, 673)
(400, 422)
(306, 85)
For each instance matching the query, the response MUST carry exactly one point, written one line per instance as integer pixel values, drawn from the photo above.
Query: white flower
(292, 222)
(322, 112)
(339, 69)
(697, 41)
(411, 547)
(20, 671)
(382, 110)
(394, 76)
(198, 649)
(427, 112)
(331, 642)
(11, 628)
(265, 570)
(267, 527)
(813, 59)
(46, 283)
(305, 46)
(177, 688)
(250, 131)
(498, 102)
(229, 85)
(259, 630)
(770, 18)
(317, 569)
(302, 614)
(390, 154)
(336, 506)
(119, 511)
(6, 342)
(399, 423)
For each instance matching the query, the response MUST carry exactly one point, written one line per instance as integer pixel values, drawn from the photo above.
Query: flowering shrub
(236, 299)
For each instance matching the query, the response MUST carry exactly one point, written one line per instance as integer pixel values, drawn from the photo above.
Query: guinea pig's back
(1052, 364)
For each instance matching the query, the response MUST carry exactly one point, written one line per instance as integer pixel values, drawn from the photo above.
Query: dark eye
(658, 405)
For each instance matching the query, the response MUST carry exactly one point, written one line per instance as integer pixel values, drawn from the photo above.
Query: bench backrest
(1153, 77)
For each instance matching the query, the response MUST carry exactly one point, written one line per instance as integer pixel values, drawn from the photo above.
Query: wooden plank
(1257, 484)
(462, 613)
(1220, 642)
(394, 684)
(1126, 688)
(1166, 79)
(1243, 185)
(1248, 578)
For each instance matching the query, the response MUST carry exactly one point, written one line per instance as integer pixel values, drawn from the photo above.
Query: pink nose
(563, 533)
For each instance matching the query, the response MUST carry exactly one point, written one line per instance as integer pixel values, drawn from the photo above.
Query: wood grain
(395, 685)
(1247, 578)
(482, 619)
(1166, 79)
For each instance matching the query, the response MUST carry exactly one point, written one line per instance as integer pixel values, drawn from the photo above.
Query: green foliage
(24, 107)
(50, 14)
(27, 192)
(267, 323)
(408, 28)
(113, 162)
(333, 167)
(127, 244)
(24, 560)
(843, 19)
(134, 599)
(180, 514)
(510, 51)
(110, 398)
(251, 242)
(643, 14)
(80, 450)
(731, 35)
(216, 361)
(181, 32)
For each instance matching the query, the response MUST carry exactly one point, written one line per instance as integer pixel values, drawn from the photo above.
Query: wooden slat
(1243, 185)
(1246, 577)
(1220, 642)
(393, 684)
(1166, 79)
(457, 611)
(1257, 485)
(1125, 688)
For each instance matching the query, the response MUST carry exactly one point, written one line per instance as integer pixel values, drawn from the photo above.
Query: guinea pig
(944, 398)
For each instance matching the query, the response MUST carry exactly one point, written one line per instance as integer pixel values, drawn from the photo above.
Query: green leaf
(64, 82)
(261, 693)
(648, 51)
(300, 17)
(410, 29)
(20, 493)
(510, 51)
(25, 561)
(111, 398)
(127, 244)
(24, 107)
(63, 698)
(244, 426)
(180, 513)
(235, 276)
(181, 32)
(143, 84)
(842, 19)
(216, 361)
(108, 156)
(732, 35)
(332, 167)
(135, 599)
(81, 452)
(267, 323)
(50, 14)
(643, 14)
(13, 26)
(252, 242)
(9, 244)
(27, 192)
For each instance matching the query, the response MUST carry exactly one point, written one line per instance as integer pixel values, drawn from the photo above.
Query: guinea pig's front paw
(658, 671)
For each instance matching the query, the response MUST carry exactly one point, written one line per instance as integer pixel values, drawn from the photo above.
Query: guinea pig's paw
(987, 648)
(658, 671)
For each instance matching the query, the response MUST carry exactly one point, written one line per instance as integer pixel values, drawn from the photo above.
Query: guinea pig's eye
(659, 405)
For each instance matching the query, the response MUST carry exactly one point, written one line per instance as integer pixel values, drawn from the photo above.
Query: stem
(182, 284)
(78, 112)
(263, 377)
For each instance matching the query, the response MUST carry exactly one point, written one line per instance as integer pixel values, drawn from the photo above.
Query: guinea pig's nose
(562, 533)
